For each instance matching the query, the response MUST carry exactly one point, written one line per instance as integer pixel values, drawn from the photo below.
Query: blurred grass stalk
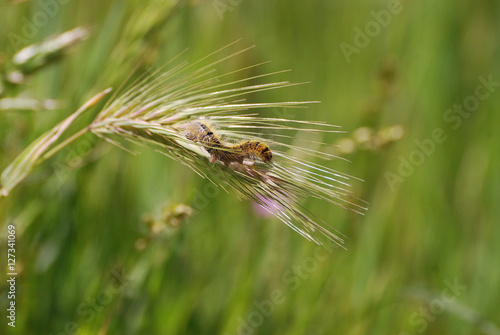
(13, 94)
(37, 56)
(24, 63)
(32, 155)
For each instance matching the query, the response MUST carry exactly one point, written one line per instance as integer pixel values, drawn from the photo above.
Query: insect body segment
(226, 153)
(253, 150)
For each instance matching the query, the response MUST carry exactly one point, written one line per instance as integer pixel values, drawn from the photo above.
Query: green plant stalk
(36, 152)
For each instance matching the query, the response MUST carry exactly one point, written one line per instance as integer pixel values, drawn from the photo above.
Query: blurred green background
(423, 260)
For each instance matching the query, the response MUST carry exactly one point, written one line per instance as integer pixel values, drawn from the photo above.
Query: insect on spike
(226, 153)
(203, 119)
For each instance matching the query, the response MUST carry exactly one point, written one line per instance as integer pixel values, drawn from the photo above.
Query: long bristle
(165, 107)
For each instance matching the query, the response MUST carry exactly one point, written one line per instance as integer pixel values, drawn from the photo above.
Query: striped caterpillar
(224, 152)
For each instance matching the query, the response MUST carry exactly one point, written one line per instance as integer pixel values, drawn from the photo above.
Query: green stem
(64, 143)
(39, 150)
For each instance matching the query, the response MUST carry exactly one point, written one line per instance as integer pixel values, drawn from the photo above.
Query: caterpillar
(226, 153)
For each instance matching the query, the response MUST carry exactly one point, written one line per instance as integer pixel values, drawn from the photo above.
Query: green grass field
(423, 260)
